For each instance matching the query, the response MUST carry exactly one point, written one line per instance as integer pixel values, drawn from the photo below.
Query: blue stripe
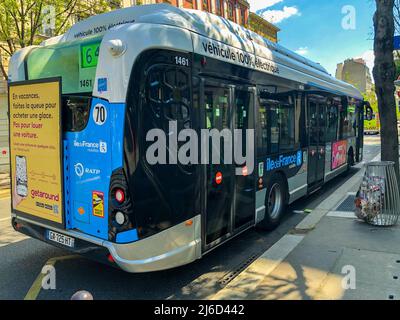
(127, 236)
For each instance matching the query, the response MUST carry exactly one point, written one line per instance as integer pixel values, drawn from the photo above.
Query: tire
(350, 160)
(275, 203)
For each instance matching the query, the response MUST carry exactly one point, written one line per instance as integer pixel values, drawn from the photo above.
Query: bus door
(316, 139)
(244, 202)
(229, 199)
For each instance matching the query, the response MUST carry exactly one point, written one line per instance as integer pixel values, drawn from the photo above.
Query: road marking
(377, 158)
(342, 214)
(37, 284)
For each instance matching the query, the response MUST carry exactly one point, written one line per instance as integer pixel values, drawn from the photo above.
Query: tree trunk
(384, 75)
(3, 70)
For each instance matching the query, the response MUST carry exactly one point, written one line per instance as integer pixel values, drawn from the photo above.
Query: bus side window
(262, 128)
(331, 121)
(168, 91)
(287, 128)
(76, 110)
(347, 121)
(275, 128)
(276, 124)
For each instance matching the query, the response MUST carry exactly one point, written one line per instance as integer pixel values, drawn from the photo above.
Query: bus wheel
(275, 203)
(350, 160)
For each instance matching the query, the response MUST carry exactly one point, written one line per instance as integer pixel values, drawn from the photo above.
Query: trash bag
(370, 197)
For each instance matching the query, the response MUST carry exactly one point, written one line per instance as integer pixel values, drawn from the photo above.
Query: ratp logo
(79, 170)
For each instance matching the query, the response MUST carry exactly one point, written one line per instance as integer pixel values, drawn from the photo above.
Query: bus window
(169, 94)
(262, 131)
(287, 125)
(76, 112)
(347, 122)
(277, 113)
(332, 116)
(275, 128)
(313, 123)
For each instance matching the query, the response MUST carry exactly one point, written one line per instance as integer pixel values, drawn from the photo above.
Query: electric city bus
(125, 73)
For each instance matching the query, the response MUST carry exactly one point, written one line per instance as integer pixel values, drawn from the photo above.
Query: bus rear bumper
(174, 247)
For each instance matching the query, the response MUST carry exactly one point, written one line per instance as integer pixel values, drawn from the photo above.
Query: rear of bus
(83, 184)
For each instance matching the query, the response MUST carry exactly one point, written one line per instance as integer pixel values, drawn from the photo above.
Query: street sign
(396, 42)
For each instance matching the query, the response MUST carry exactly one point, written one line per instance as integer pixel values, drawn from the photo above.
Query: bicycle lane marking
(36, 287)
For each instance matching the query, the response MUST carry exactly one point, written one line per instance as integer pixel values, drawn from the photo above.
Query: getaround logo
(283, 161)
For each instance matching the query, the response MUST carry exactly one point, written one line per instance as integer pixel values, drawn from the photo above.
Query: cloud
(302, 51)
(369, 58)
(257, 5)
(277, 16)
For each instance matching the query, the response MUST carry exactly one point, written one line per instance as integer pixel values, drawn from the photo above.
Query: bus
(88, 107)
(373, 126)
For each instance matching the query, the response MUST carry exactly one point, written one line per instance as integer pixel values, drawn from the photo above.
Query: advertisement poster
(35, 148)
(339, 154)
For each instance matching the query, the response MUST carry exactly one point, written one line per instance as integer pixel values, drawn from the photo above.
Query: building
(235, 10)
(263, 27)
(355, 72)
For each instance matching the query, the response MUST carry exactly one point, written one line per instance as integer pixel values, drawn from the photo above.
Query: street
(22, 259)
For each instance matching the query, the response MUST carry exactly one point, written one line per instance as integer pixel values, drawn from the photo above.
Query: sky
(325, 31)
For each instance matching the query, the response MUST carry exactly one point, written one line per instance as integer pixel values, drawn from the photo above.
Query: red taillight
(120, 195)
(110, 258)
(218, 178)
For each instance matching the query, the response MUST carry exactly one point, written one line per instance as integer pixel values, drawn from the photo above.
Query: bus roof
(207, 25)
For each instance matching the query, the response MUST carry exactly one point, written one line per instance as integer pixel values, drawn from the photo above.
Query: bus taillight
(119, 195)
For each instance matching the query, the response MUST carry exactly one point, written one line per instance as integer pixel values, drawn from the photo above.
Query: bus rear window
(76, 110)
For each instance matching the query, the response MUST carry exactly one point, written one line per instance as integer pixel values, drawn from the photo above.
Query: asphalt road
(22, 259)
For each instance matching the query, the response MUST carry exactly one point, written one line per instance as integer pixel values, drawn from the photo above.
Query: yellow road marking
(37, 285)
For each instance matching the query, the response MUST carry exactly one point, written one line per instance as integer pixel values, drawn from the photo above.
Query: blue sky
(314, 28)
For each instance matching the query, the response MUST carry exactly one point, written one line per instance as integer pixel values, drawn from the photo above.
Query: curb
(252, 277)
(309, 223)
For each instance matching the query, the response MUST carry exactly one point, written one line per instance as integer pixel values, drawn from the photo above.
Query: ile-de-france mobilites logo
(284, 161)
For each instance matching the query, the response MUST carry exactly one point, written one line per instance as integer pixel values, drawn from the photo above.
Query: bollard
(82, 295)
(378, 199)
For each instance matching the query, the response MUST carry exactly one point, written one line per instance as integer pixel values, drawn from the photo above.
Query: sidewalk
(312, 261)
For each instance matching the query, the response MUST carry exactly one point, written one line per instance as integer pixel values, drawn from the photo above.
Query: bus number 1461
(181, 61)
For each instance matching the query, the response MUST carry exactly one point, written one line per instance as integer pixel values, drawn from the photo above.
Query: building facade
(235, 10)
(263, 27)
(355, 72)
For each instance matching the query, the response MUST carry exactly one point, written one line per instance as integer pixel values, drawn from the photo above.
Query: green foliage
(22, 22)
(371, 97)
(397, 63)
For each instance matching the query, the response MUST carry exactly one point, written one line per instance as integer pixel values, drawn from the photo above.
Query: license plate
(60, 239)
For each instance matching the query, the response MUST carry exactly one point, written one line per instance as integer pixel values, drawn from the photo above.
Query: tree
(384, 75)
(22, 21)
